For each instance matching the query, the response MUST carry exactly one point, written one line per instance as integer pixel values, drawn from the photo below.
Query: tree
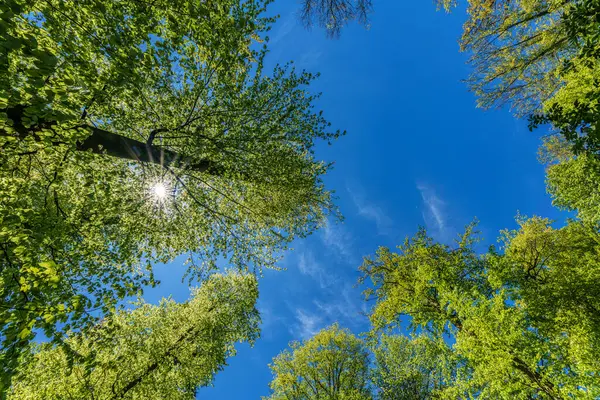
(524, 320)
(572, 180)
(573, 110)
(133, 132)
(542, 58)
(575, 186)
(517, 49)
(333, 15)
(332, 365)
(157, 352)
(411, 368)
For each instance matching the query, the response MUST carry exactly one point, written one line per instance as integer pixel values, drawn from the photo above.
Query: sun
(160, 190)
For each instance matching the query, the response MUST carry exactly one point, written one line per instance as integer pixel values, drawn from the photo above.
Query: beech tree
(517, 49)
(333, 364)
(575, 186)
(573, 180)
(523, 321)
(411, 368)
(163, 351)
(541, 58)
(133, 132)
(573, 110)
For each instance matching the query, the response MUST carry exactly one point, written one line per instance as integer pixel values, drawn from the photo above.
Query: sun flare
(160, 190)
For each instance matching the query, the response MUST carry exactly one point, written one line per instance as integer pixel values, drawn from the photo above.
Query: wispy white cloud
(434, 206)
(308, 265)
(337, 239)
(308, 324)
(435, 214)
(269, 320)
(285, 28)
(336, 300)
(370, 211)
(345, 306)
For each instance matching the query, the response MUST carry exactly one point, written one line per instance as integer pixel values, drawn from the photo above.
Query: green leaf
(24, 333)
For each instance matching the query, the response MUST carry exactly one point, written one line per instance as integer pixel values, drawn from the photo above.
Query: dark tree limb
(115, 145)
(333, 15)
(112, 144)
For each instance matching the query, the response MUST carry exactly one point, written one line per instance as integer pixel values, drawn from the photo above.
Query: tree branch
(115, 145)
(112, 144)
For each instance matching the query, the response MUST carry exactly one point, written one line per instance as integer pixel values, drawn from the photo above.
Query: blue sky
(417, 152)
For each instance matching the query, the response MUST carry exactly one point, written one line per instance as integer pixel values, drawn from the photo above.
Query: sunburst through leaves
(161, 192)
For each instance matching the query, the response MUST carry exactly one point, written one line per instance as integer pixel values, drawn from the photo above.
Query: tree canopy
(573, 110)
(163, 351)
(524, 321)
(414, 368)
(516, 50)
(333, 364)
(133, 132)
(541, 58)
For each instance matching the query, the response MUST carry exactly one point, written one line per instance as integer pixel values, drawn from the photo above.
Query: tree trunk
(112, 144)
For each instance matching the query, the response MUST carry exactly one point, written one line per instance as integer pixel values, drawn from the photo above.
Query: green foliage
(422, 280)
(523, 322)
(412, 368)
(573, 110)
(100, 102)
(516, 48)
(575, 185)
(333, 364)
(151, 352)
